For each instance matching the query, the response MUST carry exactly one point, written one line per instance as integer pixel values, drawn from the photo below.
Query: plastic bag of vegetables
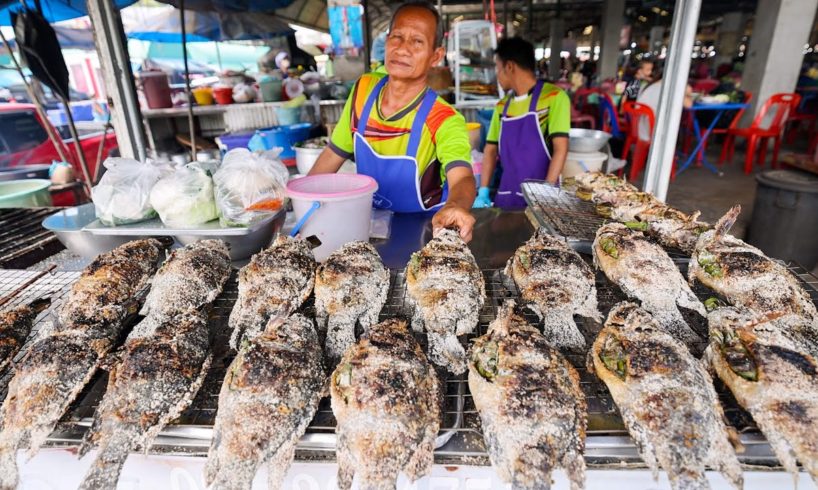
(185, 198)
(249, 186)
(123, 193)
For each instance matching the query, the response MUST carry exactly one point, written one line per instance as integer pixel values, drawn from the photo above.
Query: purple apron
(523, 153)
(397, 175)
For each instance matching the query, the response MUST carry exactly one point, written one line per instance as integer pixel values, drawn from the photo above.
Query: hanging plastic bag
(249, 186)
(185, 198)
(123, 193)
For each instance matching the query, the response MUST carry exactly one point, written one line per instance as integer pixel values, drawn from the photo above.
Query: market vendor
(402, 134)
(529, 128)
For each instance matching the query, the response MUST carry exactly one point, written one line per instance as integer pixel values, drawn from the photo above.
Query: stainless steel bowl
(36, 171)
(582, 140)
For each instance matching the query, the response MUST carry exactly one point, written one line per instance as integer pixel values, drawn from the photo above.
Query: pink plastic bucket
(345, 211)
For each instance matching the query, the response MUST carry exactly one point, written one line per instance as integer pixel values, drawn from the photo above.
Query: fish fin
(346, 464)
(107, 466)
(561, 331)
(533, 466)
(9, 473)
(422, 460)
(689, 479)
(504, 314)
(674, 324)
(574, 464)
(726, 222)
(446, 351)
(340, 337)
(279, 464)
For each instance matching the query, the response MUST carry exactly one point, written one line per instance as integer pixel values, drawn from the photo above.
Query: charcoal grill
(23, 240)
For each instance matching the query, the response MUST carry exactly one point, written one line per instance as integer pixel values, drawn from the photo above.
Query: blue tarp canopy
(163, 25)
(53, 10)
(258, 6)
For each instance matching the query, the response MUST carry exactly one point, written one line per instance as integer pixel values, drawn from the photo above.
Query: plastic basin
(577, 163)
(305, 158)
(345, 212)
(30, 193)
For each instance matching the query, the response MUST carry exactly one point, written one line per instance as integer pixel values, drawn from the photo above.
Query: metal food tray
(155, 227)
(460, 436)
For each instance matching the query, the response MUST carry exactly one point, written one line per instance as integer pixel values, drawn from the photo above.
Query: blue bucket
(285, 137)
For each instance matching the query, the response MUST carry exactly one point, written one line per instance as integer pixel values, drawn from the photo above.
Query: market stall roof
(53, 10)
(308, 13)
(163, 25)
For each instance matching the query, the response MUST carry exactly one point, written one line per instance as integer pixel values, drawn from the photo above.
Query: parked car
(24, 141)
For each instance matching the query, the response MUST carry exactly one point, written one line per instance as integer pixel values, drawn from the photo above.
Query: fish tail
(8, 466)
(673, 323)
(504, 315)
(340, 336)
(110, 459)
(689, 479)
(561, 331)
(532, 470)
(726, 222)
(446, 351)
(39, 305)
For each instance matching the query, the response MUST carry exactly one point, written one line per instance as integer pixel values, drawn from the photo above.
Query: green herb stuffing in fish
(350, 287)
(644, 271)
(269, 396)
(666, 398)
(62, 360)
(556, 283)
(385, 399)
(532, 409)
(447, 291)
(774, 376)
(273, 285)
(15, 325)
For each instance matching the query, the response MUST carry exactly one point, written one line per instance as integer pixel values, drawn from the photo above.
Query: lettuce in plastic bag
(123, 193)
(249, 186)
(185, 198)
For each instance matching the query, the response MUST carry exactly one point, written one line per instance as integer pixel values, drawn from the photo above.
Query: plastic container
(345, 212)
(305, 158)
(270, 89)
(285, 137)
(155, 86)
(577, 163)
(287, 116)
(230, 141)
(783, 219)
(29, 193)
(223, 95)
(203, 95)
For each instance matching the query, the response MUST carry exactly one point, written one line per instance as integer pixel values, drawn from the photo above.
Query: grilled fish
(274, 284)
(666, 398)
(644, 271)
(191, 277)
(671, 227)
(268, 398)
(385, 398)
(58, 364)
(15, 325)
(597, 186)
(447, 290)
(773, 377)
(744, 276)
(531, 406)
(162, 366)
(625, 206)
(556, 283)
(350, 286)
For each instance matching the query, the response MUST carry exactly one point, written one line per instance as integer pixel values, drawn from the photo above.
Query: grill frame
(23, 240)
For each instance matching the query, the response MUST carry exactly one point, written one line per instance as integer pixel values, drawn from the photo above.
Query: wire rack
(23, 240)
(561, 212)
(460, 434)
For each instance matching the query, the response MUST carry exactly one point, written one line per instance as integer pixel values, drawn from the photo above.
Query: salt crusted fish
(15, 325)
(274, 284)
(385, 398)
(556, 283)
(163, 364)
(666, 398)
(269, 395)
(447, 290)
(532, 409)
(744, 276)
(670, 227)
(773, 376)
(58, 365)
(644, 271)
(597, 186)
(191, 277)
(350, 287)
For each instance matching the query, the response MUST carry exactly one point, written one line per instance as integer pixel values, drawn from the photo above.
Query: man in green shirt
(402, 134)
(529, 129)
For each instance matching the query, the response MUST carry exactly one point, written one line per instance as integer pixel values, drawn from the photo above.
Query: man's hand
(453, 216)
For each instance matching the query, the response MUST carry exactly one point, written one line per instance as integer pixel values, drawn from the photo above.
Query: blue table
(702, 137)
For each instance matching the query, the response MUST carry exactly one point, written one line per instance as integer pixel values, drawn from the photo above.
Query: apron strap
(370, 101)
(420, 119)
(505, 107)
(535, 96)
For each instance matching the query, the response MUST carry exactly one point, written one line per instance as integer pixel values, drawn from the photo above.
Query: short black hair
(421, 4)
(517, 50)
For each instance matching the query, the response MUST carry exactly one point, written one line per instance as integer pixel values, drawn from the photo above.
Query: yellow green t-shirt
(553, 110)
(444, 143)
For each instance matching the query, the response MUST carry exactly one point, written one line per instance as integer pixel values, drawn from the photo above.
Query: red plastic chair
(705, 85)
(781, 105)
(579, 119)
(636, 112)
(803, 116)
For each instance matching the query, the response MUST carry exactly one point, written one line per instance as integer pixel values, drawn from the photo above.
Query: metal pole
(671, 97)
(367, 36)
(190, 121)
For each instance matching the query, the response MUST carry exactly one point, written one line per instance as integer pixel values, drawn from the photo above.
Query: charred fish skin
(274, 284)
(384, 397)
(556, 283)
(59, 364)
(269, 396)
(644, 271)
(163, 364)
(15, 325)
(666, 398)
(744, 276)
(532, 408)
(191, 277)
(351, 287)
(446, 288)
(773, 376)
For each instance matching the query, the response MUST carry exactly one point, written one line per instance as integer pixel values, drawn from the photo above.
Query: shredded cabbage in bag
(123, 193)
(249, 186)
(185, 198)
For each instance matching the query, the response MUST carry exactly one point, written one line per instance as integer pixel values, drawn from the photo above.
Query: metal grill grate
(23, 240)
(561, 212)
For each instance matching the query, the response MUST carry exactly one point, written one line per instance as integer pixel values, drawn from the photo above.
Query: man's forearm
(463, 192)
(557, 160)
(328, 162)
(489, 164)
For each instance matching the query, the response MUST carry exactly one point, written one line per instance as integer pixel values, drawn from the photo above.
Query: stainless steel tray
(155, 227)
